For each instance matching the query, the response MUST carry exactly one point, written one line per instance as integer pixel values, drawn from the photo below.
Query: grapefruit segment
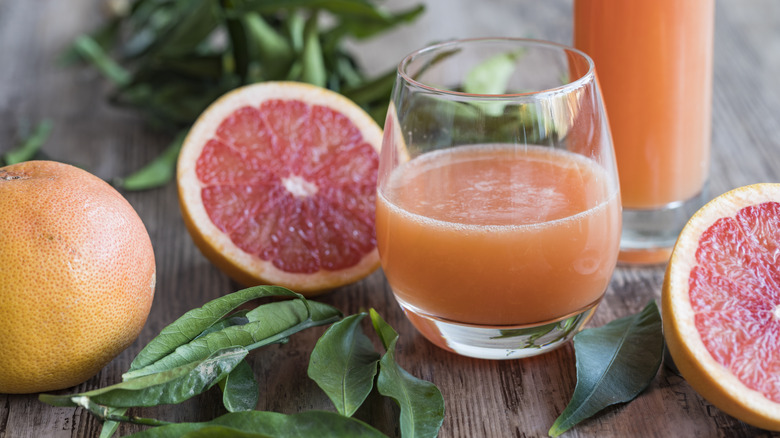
(721, 303)
(277, 185)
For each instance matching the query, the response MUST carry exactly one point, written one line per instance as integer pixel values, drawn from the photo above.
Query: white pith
(299, 187)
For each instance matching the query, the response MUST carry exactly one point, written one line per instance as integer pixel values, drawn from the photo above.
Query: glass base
(499, 342)
(649, 235)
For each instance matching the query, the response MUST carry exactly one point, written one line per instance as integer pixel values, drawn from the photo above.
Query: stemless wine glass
(498, 209)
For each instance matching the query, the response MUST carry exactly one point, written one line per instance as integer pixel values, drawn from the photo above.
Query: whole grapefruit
(77, 276)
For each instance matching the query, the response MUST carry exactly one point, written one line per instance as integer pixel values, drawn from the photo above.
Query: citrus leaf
(268, 323)
(309, 424)
(113, 415)
(223, 431)
(236, 318)
(240, 390)
(149, 22)
(158, 172)
(194, 322)
(193, 22)
(167, 387)
(615, 363)
(343, 363)
(238, 41)
(312, 62)
(105, 37)
(421, 402)
(491, 77)
(366, 28)
(386, 333)
(373, 90)
(110, 427)
(91, 51)
(268, 46)
(30, 145)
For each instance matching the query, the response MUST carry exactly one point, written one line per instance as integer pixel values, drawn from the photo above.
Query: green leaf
(421, 402)
(223, 431)
(30, 145)
(194, 322)
(376, 89)
(386, 333)
(312, 62)
(148, 24)
(240, 391)
(90, 50)
(269, 323)
(615, 363)
(193, 22)
(112, 415)
(236, 318)
(268, 46)
(110, 427)
(362, 28)
(170, 59)
(158, 172)
(167, 387)
(537, 337)
(343, 363)
(238, 41)
(309, 424)
(492, 77)
(105, 36)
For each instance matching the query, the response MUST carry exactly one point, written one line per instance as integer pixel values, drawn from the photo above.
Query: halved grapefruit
(277, 185)
(721, 304)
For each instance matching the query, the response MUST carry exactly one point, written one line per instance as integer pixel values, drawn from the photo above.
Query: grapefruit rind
(243, 267)
(709, 378)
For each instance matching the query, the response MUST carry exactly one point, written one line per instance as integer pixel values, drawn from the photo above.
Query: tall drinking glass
(498, 208)
(654, 62)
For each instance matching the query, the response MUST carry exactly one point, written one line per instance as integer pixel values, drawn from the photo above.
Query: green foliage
(30, 145)
(169, 60)
(344, 363)
(256, 424)
(240, 390)
(209, 345)
(615, 363)
(421, 402)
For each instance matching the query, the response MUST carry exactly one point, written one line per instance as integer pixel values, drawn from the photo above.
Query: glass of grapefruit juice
(654, 62)
(498, 208)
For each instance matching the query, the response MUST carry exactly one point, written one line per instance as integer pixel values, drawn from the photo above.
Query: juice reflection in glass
(498, 215)
(654, 62)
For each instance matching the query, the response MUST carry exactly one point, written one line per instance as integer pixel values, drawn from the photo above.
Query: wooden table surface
(518, 398)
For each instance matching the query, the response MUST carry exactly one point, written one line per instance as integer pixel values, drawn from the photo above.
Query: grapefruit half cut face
(721, 303)
(277, 185)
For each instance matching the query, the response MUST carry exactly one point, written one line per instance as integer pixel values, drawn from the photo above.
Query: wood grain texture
(519, 398)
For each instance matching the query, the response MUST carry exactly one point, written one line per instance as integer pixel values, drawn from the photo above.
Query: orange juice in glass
(654, 62)
(498, 208)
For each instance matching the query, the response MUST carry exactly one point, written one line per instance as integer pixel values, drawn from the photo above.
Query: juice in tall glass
(654, 63)
(497, 234)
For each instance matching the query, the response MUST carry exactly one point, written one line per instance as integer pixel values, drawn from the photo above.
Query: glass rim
(587, 77)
